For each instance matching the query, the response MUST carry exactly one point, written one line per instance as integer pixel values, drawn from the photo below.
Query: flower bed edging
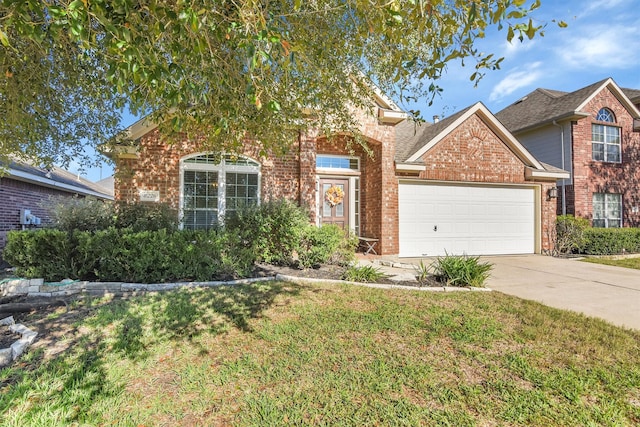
(9, 354)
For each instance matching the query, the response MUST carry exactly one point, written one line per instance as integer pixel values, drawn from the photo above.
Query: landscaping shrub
(40, 253)
(364, 274)
(611, 241)
(124, 255)
(326, 245)
(145, 217)
(82, 214)
(142, 244)
(570, 234)
(273, 229)
(461, 270)
(90, 214)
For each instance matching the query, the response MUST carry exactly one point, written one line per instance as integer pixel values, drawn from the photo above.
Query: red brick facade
(293, 177)
(472, 153)
(591, 176)
(16, 195)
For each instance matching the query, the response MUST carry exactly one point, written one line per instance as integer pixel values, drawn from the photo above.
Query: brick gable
(473, 153)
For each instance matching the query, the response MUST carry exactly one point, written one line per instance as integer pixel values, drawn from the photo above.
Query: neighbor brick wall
(16, 195)
(474, 153)
(601, 177)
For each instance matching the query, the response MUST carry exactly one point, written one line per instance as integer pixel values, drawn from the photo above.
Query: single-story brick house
(463, 184)
(27, 187)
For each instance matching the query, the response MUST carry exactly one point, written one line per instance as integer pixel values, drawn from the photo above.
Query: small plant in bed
(461, 270)
(365, 274)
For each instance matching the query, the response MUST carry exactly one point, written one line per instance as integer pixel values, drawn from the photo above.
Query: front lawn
(624, 262)
(287, 354)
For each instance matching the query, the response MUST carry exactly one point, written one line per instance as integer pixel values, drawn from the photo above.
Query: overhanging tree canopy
(226, 68)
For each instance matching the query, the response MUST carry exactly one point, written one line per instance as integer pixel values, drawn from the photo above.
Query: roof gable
(431, 135)
(543, 106)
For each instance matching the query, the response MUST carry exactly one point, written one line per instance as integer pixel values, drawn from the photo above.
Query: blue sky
(601, 41)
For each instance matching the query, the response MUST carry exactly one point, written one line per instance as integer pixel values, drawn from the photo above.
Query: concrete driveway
(610, 293)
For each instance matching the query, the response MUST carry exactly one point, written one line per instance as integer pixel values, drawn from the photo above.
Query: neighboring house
(592, 133)
(26, 187)
(461, 185)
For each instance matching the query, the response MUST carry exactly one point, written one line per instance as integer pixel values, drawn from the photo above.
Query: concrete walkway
(606, 292)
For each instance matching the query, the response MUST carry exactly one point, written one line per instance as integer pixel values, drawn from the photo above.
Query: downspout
(564, 194)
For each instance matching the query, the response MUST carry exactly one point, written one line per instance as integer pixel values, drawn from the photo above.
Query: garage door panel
(457, 219)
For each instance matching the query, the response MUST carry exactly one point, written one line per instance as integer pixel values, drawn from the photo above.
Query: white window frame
(607, 199)
(342, 171)
(221, 168)
(605, 115)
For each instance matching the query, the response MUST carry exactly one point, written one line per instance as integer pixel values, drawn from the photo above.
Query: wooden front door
(334, 209)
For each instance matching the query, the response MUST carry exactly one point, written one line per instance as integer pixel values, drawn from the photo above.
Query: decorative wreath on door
(334, 195)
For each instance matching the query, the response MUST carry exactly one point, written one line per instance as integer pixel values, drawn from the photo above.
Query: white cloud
(597, 6)
(603, 47)
(516, 79)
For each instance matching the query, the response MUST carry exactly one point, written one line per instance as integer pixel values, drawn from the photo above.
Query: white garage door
(458, 219)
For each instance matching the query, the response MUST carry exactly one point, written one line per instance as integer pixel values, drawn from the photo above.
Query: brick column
(389, 198)
(308, 146)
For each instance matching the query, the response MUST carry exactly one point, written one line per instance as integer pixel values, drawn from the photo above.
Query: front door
(334, 199)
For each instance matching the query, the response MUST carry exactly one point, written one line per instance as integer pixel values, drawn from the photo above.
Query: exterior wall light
(553, 193)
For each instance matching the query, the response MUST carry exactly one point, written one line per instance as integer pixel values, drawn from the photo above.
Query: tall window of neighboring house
(607, 210)
(605, 139)
(214, 186)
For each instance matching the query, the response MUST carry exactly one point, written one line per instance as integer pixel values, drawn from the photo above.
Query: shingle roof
(54, 177)
(632, 94)
(543, 106)
(411, 136)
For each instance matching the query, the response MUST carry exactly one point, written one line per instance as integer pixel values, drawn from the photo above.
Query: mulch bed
(331, 272)
(7, 337)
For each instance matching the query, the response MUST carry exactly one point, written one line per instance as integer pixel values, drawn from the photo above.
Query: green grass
(287, 354)
(625, 262)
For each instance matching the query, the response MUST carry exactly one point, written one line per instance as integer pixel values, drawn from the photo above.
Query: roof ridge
(552, 92)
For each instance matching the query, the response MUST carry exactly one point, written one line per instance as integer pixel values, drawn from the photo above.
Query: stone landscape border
(39, 288)
(27, 336)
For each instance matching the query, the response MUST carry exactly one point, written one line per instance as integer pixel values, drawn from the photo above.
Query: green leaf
(531, 30)
(76, 4)
(4, 39)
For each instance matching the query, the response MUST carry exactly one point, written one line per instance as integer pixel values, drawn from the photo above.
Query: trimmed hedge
(127, 256)
(574, 235)
(273, 232)
(611, 241)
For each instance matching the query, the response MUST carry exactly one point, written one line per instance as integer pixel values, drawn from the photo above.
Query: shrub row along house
(27, 190)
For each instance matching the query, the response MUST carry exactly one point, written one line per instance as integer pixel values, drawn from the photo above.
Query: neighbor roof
(632, 94)
(544, 106)
(56, 178)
